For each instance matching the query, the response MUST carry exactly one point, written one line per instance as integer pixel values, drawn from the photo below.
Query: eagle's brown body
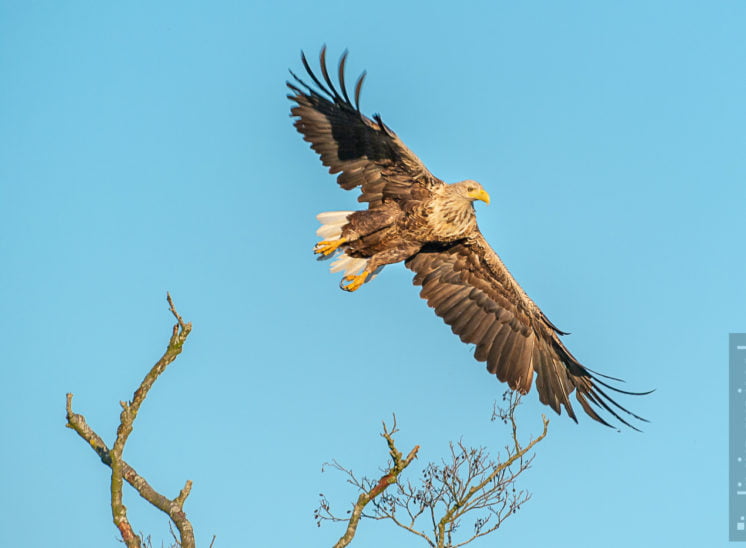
(393, 231)
(413, 216)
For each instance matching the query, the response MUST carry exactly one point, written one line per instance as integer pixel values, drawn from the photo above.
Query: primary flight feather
(413, 216)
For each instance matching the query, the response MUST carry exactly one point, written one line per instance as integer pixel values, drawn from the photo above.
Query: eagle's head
(471, 191)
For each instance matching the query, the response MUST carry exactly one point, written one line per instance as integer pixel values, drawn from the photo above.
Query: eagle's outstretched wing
(366, 152)
(470, 288)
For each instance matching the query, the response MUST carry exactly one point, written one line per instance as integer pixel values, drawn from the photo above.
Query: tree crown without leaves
(468, 485)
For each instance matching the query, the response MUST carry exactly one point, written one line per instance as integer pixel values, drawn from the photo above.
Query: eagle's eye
(469, 189)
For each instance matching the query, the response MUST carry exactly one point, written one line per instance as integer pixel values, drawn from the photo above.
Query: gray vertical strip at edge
(737, 431)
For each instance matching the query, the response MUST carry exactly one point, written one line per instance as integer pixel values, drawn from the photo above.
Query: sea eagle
(413, 216)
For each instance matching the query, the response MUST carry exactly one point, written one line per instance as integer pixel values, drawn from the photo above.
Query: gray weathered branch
(120, 470)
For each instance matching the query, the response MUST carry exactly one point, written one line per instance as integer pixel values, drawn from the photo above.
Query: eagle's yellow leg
(327, 247)
(355, 281)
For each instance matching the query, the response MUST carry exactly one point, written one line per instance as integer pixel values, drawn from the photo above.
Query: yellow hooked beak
(480, 194)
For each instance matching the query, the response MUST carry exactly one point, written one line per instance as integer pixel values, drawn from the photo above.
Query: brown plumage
(413, 216)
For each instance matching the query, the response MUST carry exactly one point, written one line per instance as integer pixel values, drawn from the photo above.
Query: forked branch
(373, 489)
(120, 470)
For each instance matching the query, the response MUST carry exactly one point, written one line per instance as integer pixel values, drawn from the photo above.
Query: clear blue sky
(146, 148)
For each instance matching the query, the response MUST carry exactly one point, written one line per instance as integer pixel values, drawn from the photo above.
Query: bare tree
(468, 481)
(120, 470)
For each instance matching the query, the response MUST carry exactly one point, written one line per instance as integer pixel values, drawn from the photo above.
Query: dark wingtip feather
(325, 74)
(342, 84)
(593, 391)
(358, 87)
(619, 390)
(591, 412)
(618, 406)
(599, 400)
(598, 397)
(312, 75)
(300, 82)
(292, 86)
(379, 121)
(603, 375)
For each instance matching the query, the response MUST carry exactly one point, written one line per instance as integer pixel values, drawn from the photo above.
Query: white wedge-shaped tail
(332, 223)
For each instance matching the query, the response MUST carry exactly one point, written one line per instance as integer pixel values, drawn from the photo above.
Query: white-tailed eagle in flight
(413, 216)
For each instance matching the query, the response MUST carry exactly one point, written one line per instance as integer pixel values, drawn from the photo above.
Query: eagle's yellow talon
(355, 281)
(327, 247)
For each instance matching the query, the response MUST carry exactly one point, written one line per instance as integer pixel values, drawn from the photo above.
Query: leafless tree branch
(120, 470)
(372, 489)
